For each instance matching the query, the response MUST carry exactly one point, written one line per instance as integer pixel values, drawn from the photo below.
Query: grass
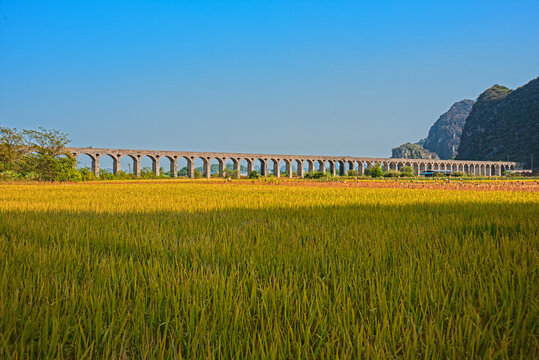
(187, 269)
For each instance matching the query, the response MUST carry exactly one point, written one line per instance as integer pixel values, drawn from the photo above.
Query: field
(240, 269)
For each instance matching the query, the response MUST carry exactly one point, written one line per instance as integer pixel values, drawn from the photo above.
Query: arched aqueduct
(334, 164)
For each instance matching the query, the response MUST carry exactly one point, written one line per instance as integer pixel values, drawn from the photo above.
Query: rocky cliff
(503, 124)
(412, 151)
(444, 135)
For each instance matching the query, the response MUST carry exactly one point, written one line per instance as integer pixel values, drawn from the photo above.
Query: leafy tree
(37, 154)
(12, 148)
(374, 171)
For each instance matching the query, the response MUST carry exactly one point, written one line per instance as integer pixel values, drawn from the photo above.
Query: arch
(149, 162)
(340, 168)
(129, 164)
(87, 161)
(332, 167)
(310, 165)
(285, 168)
(261, 166)
(298, 166)
(169, 162)
(216, 166)
(182, 163)
(108, 163)
(243, 165)
(232, 166)
(361, 167)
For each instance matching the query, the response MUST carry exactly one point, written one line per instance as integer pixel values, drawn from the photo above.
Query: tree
(374, 171)
(37, 154)
(12, 148)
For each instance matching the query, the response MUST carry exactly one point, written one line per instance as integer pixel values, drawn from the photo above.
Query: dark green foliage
(254, 174)
(374, 171)
(315, 175)
(352, 172)
(503, 125)
(392, 173)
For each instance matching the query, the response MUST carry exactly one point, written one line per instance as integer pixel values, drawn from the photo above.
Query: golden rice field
(212, 269)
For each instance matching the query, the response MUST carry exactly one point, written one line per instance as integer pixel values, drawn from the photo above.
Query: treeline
(36, 155)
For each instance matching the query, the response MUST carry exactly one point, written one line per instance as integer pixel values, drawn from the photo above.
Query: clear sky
(299, 77)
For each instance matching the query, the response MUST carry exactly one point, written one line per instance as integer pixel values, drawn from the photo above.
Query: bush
(147, 173)
(197, 174)
(254, 174)
(407, 174)
(315, 175)
(439, 175)
(352, 172)
(122, 175)
(392, 174)
(233, 174)
(457, 174)
(87, 174)
(105, 175)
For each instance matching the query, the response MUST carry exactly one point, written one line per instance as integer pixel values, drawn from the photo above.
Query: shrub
(122, 175)
(233, 174)
(392, 173)
(105, 175)
(197, 174)
(254, 174)
(374, 171)
(87, 174)
(315, 175)
(457, 174)
(352, 172)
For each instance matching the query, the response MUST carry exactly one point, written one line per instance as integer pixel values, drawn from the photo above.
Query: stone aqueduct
(337, 164)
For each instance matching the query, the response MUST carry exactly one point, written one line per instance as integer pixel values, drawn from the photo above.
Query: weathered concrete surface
(335, 164)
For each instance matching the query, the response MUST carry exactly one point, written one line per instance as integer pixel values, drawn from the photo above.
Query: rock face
(444, 135)
(412, 151)
(503, 124)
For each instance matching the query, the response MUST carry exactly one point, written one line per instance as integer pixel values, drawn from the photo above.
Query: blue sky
(300, 77)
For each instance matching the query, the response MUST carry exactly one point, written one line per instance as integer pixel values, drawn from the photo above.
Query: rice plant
(186, 269)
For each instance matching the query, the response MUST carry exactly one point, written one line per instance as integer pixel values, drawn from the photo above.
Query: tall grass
(177, 269)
